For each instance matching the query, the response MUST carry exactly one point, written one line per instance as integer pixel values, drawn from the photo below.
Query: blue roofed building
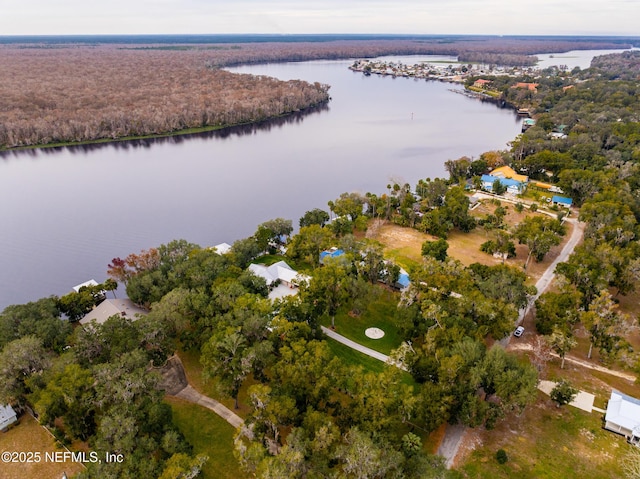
(514, 187)
(561, 201)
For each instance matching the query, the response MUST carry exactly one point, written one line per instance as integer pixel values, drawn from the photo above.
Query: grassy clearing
(546, 442)
(29, 436)
(355, 358)
(208, 434)
(193, 369)
(380, 313)
(404, 245)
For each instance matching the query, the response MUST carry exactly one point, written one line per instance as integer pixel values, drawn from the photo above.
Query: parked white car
(518, 332)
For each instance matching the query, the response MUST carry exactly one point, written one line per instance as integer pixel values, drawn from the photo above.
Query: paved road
(454, 434)
(546, 278)
(191, 395)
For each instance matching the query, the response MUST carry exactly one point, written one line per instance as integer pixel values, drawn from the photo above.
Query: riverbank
(293, 115)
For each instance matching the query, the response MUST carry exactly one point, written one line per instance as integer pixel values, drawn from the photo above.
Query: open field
(29, 436)
(547, 441)
(544, 442)
(404, 245)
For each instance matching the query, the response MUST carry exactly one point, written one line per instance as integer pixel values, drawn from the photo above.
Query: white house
(222, 248)
(7, 417)
(277, 271)
(289, 278)
(113, 307)
(91, 282)
(623, 416)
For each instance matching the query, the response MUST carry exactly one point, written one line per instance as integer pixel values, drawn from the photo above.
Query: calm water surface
(572, 59)
(66, 213)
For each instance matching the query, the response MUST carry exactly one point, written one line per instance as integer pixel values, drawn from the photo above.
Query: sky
(497, 17)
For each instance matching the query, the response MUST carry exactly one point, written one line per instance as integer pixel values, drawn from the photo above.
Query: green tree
(308, 372)
(328, 289)
(20, 360)
(245, 251)
(183, 466)
(498, 188)
(557, 310)
(228, 357)
(315, 216)
(539, 234)
(69, 394)
(562, 341)
(37, 318)
(272, 231)
(456, 206)
(563, 393)
(348, 204)
(270, 412)
(458, 169)
(309, 243)
(372, 265)
(436, 249)
(605, 325)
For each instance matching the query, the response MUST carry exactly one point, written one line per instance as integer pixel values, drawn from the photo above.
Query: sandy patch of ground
(30, 437)
(402, 242)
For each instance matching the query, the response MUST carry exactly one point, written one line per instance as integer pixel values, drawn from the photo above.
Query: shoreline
(160, 136)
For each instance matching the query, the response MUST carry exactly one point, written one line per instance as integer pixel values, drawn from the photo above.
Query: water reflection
(296, 117)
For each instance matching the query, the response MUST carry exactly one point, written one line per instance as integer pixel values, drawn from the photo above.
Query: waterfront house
(279, 271)
(508, 172)
(222, 248)
(514, 187)
(481, 83)
(527, 86)
(91, 282)
(7, 417)
(281, 278)
(623, 416)
(113, 307)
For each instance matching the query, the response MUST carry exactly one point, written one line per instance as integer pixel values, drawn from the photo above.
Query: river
(65, 213)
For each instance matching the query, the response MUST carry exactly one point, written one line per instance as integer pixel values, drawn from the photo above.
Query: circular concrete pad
(374, 333)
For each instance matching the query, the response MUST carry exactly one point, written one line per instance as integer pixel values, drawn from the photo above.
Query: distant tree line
(57, 94)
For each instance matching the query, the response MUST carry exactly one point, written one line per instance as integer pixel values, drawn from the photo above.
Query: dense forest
(60, 93)
(312, 413)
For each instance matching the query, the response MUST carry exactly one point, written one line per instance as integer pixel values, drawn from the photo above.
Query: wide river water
(65, 213)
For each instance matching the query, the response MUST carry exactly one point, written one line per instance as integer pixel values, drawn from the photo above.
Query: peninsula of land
(56, 91)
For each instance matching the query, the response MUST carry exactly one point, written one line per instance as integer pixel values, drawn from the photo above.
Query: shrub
(563, 393)
(501, 456)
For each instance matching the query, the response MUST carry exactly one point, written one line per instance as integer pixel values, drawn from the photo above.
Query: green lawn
(380, 313)
(208, 434)
(355, 358)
